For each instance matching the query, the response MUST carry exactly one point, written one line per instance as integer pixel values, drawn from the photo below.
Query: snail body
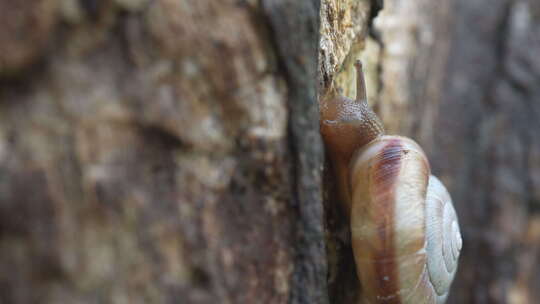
(404, 230)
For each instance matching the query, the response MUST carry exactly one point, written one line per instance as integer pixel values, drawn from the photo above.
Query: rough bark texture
(167, 151)
(160, 152)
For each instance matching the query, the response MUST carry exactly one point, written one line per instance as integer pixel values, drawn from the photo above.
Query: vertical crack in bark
(500, 50)
(475, 146)
(526, 94)
(489, 98)
(489, 158)
(375, 8)
(295, 29)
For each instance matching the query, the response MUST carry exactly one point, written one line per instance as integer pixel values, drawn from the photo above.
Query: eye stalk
(361, 92)
(347, 124)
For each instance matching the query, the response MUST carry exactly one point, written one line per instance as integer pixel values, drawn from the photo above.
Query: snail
(404, 229)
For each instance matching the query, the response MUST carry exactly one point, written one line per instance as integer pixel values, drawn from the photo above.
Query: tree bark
(160, 152)
(168, 151)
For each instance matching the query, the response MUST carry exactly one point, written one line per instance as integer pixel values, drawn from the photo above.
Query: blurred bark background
(472, 100)
(160, 152)
(167, 151)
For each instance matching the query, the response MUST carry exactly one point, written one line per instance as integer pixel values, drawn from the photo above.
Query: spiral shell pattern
(443, 238)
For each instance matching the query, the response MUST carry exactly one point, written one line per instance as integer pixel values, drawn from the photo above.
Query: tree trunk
(168, 151)
(160, 152)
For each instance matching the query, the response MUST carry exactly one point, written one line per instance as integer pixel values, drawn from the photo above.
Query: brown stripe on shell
(385, 172)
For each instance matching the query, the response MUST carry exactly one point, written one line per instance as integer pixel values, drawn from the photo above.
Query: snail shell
(404, 230)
